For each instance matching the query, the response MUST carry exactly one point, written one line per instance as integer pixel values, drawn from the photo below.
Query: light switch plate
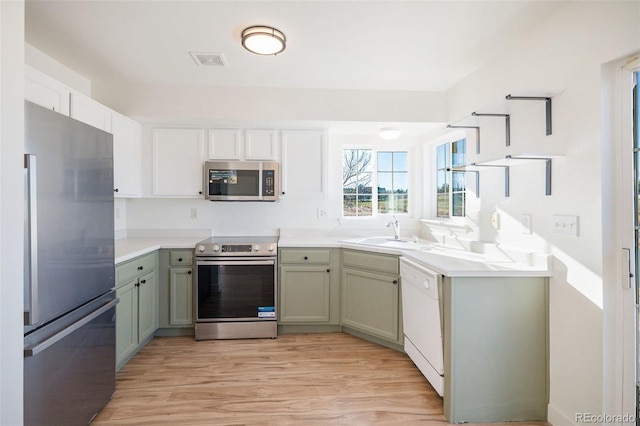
(495, 220)
(526, 224)
(565, 225)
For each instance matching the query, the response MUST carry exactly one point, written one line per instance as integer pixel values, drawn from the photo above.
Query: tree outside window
(374, 182)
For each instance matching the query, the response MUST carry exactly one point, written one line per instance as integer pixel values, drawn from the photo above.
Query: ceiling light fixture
(263, 40)
(389, 133)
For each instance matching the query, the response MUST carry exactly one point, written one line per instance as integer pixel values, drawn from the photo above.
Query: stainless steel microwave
(241, 181)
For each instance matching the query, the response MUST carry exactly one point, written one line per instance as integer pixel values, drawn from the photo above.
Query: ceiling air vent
(213, 59)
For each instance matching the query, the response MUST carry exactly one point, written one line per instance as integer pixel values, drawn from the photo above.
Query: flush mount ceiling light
(389, 133)
(263, 40)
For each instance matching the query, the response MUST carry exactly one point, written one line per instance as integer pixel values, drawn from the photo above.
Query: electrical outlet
(526, 224)
(194, 213)
(565, 225)
(322, 213)
(117, 215)
(495, 220)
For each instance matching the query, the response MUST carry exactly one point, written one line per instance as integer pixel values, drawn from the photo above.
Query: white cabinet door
(43, 90)
(224, 144)
(126, 156)
(260, 145)
(90, 112)
(304, 163)
(178, 156)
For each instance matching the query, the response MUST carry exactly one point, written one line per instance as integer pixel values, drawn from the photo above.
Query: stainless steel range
(235, 288)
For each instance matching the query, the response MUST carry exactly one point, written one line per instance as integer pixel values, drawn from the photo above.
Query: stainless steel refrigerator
(69, 314)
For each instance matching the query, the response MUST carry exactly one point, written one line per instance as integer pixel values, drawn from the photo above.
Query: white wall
(44, 63)
(562, 57)
(11, 208)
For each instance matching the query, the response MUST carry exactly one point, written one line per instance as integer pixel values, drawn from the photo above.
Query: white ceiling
(362, 45)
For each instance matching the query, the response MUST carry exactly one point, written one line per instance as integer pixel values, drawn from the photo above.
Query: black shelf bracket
(536, 98)
(547, 169)
(507, 124)
(506, 175)
(470, 127)
(464, 170)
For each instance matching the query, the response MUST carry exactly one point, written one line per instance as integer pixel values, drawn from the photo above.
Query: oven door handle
(236, 261)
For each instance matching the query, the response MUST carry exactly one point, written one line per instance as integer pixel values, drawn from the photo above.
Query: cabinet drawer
(134, 268)
(317, 256)
(370, 261)
(181, 257)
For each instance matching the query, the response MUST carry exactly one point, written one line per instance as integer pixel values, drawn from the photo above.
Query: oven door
(236, 289)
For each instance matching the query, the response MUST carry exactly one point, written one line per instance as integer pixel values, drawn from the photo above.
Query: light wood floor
(296, 379)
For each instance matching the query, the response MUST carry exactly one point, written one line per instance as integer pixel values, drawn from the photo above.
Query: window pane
(443, 185)
(385, 161)
(442, 156)
(364, 183)
(400, 204)
(458, 179)
(443, 205)
(364, 160)
(364, 205)
(458, 152)
(458, 204)
(383, 203)
(400, 162)
(349, 205)
(401, 182)
(385, 182)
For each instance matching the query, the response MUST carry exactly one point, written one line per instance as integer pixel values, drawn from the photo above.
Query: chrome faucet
(396, 227)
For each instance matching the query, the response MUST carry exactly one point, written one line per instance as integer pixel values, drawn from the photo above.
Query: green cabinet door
(126, 322)
(180, 296)
(147, 306)
(305, 294)
(370, 303)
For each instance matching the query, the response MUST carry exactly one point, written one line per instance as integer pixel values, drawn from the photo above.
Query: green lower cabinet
(137, 311)
(181, 296)
(370, 303)
(126, 322)
(305, 294)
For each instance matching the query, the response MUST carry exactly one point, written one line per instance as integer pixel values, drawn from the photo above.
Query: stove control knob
(216, 247)
(200, 248)
(271, 247)
(256, 248)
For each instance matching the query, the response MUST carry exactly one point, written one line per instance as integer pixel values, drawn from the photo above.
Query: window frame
(374, 181)
(432, 146)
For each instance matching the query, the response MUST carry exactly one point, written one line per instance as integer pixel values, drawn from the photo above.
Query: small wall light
(263, 40)
(389, 133)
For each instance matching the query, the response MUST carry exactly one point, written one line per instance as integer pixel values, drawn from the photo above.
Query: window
(374, 182)
(451, 186)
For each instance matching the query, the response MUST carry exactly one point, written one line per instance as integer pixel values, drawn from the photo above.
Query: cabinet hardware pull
(137, 285)
(143, 281)
(395, 281)
(200, 192)
(140, 268)
(116, 190)
(328, 270)
(306, 258)
(189, 272)
(180, 259)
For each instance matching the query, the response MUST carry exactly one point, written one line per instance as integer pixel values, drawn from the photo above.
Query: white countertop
(446, 261)
(129, 248)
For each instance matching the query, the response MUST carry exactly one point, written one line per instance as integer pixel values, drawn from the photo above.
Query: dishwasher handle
(36, 349)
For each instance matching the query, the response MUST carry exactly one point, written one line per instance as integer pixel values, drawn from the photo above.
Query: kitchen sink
(389, 242)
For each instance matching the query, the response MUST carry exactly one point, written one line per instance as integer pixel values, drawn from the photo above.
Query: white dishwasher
(422, 320)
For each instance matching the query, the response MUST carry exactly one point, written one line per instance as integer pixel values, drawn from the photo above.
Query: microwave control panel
(268, 183)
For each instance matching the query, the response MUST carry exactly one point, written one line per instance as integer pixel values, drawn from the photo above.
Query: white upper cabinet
(261, 145)
(228, 144)
(178, 157)
(304, 163)
(126, 156)
(225, 144)
(43, 90)
(93, 113)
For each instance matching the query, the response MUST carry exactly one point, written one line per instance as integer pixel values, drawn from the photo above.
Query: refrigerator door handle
(36, 349)
(31, 313)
